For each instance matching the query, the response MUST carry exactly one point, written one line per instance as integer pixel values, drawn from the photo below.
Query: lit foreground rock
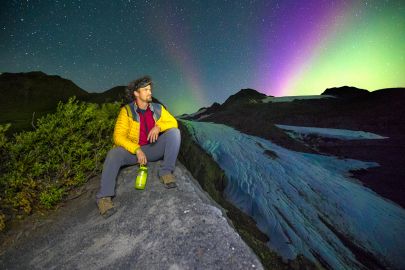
(156, 228)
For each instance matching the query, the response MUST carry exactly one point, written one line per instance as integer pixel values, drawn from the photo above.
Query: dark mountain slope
(26, 97)
(36, 90)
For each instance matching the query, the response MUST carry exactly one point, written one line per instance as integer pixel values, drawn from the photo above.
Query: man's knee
(116, 154)
(174, 133)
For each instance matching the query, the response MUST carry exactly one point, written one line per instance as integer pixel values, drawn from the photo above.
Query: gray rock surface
(156, 228)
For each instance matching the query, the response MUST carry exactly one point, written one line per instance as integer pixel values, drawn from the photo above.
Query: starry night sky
(199, 52)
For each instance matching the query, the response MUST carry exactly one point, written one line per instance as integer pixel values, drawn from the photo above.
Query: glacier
(342, 134)
(305, 203)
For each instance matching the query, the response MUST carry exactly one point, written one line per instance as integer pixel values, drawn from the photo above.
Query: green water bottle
(141, 177)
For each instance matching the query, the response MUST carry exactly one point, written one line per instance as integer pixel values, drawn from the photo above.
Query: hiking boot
(106, 207)
(168, 181)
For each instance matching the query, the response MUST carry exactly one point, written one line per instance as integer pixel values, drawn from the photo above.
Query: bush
(65, 150)
(49, 197)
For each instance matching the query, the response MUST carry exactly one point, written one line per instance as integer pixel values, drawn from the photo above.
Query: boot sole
(109, 213)
(170, 185)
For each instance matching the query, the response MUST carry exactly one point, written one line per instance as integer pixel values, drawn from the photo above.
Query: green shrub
(49, 197)
(65, 150)
(2, 222)
(3, 146)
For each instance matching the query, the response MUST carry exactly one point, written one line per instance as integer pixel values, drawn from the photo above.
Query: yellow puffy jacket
(127, 127)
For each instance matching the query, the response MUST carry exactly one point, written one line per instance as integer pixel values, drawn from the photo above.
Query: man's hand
(153, 134)
(141, 157)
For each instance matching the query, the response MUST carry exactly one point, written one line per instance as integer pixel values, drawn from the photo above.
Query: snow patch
(197, 113)
(292, 98)
(343, 134)
(203, 116)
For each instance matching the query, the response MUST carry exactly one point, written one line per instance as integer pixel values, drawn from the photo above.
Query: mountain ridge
(32, 87)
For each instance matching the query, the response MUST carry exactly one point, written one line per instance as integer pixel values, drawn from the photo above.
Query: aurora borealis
(327, 44)
(200, 52)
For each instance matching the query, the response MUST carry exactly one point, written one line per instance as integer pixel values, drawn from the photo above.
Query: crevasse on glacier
(305, 202)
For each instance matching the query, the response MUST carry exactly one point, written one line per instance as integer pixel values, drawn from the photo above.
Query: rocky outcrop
(345, 91)
(155, 228)
(244, 96)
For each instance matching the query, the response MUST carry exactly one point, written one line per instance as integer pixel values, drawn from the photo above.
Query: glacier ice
(305, 202)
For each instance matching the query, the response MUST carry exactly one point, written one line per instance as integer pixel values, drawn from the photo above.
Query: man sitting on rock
(144, 131)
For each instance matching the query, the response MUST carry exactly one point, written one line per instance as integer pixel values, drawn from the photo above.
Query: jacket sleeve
(121, 131)
(166, 121)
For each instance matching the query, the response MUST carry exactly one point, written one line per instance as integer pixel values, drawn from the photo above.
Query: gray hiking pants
(167, 147)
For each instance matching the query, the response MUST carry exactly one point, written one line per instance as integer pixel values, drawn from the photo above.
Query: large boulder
(156, 228)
